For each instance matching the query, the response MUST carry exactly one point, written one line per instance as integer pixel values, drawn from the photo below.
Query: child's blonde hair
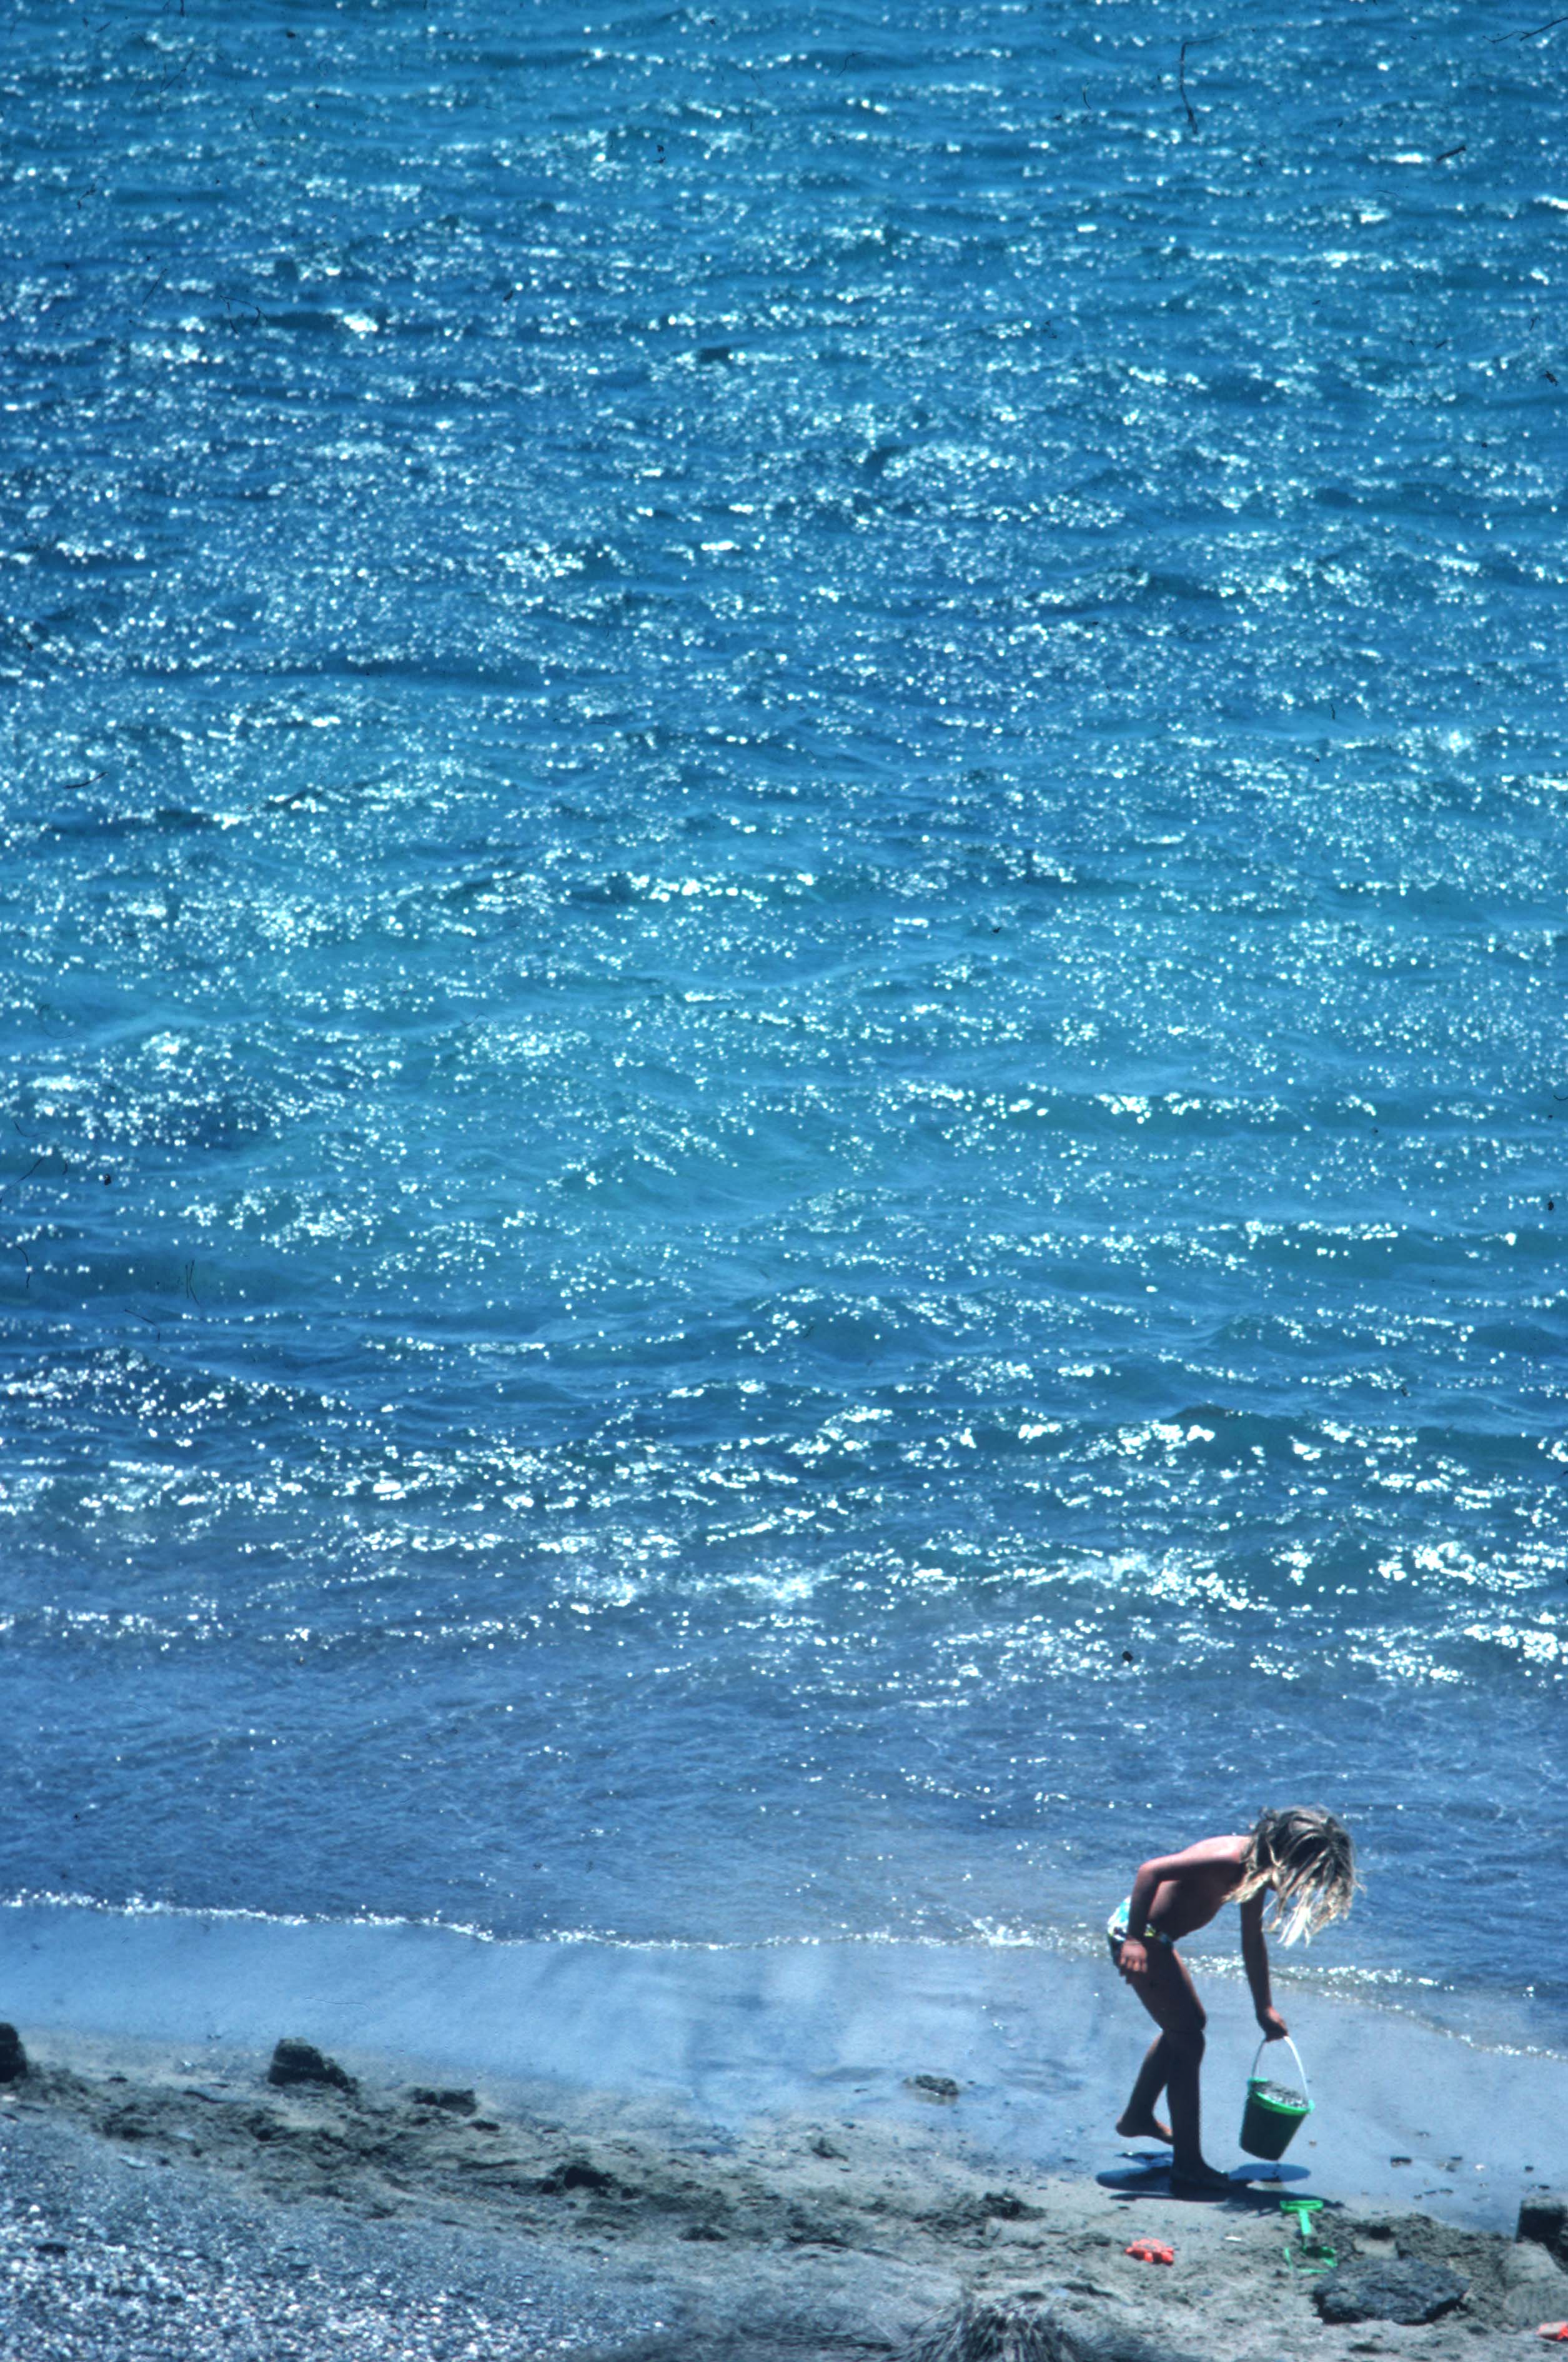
(1306, 1857)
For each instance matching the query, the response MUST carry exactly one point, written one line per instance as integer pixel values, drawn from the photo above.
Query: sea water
(783, 871)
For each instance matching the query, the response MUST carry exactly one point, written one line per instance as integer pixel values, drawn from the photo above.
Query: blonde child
(1304, 1858)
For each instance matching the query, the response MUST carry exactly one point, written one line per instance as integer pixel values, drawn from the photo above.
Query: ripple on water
(779, 907)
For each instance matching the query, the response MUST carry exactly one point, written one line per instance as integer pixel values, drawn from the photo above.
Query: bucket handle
(1265, 2045)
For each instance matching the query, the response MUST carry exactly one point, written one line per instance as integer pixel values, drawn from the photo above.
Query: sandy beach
(792, 2155)
(156, 2211)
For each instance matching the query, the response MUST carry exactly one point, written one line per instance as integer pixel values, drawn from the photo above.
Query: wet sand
(1042, 2046)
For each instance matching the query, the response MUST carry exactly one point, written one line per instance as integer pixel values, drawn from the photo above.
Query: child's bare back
(1190, 1886)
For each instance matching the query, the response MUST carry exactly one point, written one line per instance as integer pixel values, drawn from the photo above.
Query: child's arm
(1254, 1959)
(1152, 1875)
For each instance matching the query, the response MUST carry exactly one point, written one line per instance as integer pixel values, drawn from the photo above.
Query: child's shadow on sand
(1257, 2190)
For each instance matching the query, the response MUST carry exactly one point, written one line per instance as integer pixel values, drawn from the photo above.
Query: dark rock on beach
(302, 2062)
(577, 2175)
(1543, 2222)
(1405, 2290)
(933, 2087)
(457, 2103)
(13, 2057)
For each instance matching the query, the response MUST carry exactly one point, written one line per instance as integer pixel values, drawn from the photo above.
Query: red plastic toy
(1155, 2251)
(1556, 2330)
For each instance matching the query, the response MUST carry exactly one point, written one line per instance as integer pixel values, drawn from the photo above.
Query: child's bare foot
(1200, 2180)
(1132, 2126)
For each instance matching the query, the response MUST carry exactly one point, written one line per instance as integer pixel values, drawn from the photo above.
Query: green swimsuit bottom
(1117, 1930)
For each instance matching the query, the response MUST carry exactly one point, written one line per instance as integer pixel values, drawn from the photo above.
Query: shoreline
(1039, 2045)
(183, 2196)
(1506, 2019)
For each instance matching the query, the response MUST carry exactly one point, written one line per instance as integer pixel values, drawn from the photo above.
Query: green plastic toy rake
(1306, 2252)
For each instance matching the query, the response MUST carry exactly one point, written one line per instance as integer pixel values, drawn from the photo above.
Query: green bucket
(1271, 2118)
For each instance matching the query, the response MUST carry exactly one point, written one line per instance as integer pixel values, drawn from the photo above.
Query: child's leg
(1171, 2064)
(1137, 2119)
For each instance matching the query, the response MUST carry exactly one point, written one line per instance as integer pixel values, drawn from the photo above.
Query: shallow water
(1001, 2053)
(783, 906)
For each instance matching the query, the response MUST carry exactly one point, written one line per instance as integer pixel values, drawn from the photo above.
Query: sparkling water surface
(783, 905)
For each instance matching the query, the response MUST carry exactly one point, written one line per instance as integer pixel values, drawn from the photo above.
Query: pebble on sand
(457, 2103)
(301, 2063)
